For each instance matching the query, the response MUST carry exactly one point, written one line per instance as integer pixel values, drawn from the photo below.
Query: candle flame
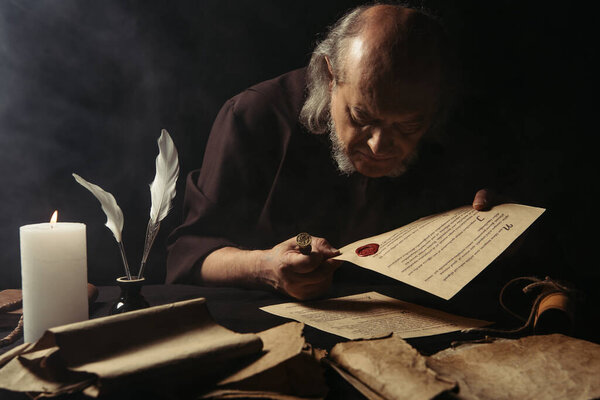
(54, 217)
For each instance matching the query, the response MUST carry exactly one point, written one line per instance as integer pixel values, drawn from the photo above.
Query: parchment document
(388, 369)
(372, 315)
(442, 253)
(549, 367)
(535, 367)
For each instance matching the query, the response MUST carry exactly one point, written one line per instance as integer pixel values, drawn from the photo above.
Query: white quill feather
(113, 212)
(114, 215)
(162, 190)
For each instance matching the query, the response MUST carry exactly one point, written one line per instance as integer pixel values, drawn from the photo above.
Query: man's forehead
(385, 85)
(406, 97)
(369, 111)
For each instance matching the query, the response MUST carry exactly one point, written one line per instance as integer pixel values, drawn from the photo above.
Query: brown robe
(265, 178)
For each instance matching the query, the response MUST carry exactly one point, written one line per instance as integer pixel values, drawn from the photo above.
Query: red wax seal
(367, 250)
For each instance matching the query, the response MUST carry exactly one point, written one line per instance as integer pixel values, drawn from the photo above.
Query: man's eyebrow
(413, 120)
(361, 113)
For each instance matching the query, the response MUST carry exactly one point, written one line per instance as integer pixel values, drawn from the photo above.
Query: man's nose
(379, 142)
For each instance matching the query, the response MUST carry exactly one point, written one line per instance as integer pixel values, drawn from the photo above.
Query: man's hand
(301, 276)
(483, 200)
(283, 268)
(487, 198)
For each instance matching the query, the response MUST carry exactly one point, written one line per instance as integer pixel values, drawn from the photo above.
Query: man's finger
(482, 200)
(322, 273)
(335, 264)
(301, 263)
(322, 246)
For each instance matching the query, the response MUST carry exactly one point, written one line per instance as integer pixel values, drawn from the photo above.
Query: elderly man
(370, 97)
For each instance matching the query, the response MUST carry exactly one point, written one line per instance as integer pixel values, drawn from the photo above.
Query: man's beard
(338, 152)
(345, 165)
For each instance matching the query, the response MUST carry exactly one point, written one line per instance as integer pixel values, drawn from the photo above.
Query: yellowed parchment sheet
(441, 253)
(549, 367)
(388, 369)
(545, 367)
(372, 315)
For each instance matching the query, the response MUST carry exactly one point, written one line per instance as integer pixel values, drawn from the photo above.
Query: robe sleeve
(226, 196)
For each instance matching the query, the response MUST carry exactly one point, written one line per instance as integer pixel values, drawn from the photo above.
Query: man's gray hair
(315, 113)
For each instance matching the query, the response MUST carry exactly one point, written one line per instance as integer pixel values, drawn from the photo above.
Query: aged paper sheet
(533, 367)
(372, 315)
(288, 369)
(550, 367)
(441, 253)
(391, 368)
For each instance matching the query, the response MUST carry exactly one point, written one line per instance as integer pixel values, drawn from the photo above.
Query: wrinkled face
(377, 123)
(377, 140)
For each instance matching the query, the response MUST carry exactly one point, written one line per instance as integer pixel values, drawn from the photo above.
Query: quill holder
(131, 297)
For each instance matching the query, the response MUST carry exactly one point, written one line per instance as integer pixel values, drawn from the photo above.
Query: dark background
(86, 86)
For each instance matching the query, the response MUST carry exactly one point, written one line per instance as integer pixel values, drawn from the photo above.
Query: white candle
(54, 276)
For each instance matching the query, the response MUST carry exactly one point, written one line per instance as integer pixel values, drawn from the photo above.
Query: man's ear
(330, 71)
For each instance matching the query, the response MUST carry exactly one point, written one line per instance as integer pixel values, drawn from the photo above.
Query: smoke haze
(86, 86)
